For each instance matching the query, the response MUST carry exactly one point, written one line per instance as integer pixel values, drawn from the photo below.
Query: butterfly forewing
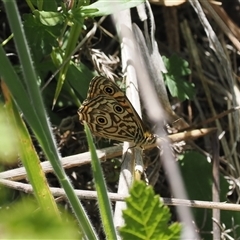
(100, 85)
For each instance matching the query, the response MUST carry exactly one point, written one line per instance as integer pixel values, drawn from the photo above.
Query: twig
(103, 154)
(216, 185)
(84, 194)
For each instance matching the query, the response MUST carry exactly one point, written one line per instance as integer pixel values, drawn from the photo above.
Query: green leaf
(24, 220)
(79, 77)
(174, 78)
(41, 44)
(74, 34)
(9, 146)
(49, 18)
(103, 7)
(27, 153)
(146, 217)
(197, 175)
(46, 5)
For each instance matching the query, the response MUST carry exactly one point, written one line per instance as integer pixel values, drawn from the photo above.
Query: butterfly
(109, 114)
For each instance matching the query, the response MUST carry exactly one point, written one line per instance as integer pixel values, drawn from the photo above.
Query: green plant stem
(72, 41)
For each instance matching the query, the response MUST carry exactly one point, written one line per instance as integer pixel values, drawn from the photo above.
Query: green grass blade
(100, 185)
(72, 41)
(29, 156)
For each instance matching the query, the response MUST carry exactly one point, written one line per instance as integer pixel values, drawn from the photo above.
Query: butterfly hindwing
(107, 118)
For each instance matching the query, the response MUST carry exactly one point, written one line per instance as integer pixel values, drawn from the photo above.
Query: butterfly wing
(107, 118)
(103, 101)
(100, 85)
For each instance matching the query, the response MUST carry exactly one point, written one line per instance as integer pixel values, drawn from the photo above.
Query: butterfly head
(148, 139)
(151, 138)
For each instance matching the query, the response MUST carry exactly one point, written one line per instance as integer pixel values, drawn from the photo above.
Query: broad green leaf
(24, 220)
(175, 78)
(146, 217)
(197, 175)
(45, 5)
(49, 18)
(79, 77)
(43, 42)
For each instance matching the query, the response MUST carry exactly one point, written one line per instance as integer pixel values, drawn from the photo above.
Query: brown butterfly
(109, 114)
